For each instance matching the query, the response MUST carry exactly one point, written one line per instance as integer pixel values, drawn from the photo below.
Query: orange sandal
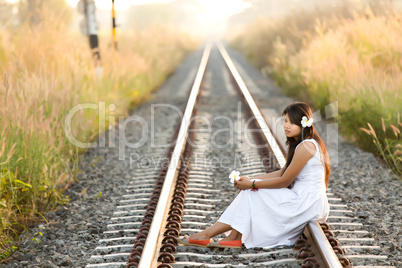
(194, 242)
(226, 244)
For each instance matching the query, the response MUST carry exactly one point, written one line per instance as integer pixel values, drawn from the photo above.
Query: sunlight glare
(218, 11)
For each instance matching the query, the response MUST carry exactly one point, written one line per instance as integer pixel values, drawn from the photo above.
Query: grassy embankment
(45, 71)
(352, 56)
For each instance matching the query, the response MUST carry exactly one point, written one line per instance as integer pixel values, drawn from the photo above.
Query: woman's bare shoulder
(306, 148)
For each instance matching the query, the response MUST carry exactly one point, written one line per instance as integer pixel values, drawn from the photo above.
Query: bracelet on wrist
(253, 187)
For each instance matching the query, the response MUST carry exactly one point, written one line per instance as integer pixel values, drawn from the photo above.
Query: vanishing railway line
(188, 192)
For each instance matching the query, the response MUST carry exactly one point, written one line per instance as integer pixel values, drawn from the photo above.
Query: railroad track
(191, 190)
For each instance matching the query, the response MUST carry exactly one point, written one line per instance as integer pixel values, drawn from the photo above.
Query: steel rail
(148, 254)
(328, 255)
(253, 106)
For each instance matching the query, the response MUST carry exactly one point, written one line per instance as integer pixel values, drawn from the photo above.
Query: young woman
(273, 209)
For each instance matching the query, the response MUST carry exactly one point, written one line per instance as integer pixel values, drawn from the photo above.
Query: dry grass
(45, 71)
(352, 56)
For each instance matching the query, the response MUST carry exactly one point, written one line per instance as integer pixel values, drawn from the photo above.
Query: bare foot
(230, 239)
(234, 235)
(199, 236)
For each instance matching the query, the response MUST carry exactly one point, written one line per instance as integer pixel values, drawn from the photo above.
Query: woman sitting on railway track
(267, 212)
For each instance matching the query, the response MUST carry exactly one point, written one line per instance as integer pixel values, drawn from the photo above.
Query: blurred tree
(278, 8)
(32, 11)
(6, 13)
(178, 13)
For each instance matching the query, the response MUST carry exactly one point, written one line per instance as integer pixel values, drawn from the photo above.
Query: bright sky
(214, 10)
(219, 10)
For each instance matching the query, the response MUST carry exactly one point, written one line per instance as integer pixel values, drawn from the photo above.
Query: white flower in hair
(305, 122)
(235, 175)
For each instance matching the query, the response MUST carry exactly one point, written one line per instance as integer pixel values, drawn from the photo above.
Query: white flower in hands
(235, 175)
(305, 122)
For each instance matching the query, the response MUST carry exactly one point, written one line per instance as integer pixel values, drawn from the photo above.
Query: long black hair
(295, 112)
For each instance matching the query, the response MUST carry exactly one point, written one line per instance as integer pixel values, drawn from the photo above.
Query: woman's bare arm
(300, 158)
(271, 175)
(267, 176)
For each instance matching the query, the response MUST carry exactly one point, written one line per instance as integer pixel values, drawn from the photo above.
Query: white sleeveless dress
(271, 217)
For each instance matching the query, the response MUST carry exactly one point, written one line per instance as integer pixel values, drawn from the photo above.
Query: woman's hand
(243, 183)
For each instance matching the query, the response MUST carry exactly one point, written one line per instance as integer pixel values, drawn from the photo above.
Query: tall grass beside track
(352, 56)
(45, 71)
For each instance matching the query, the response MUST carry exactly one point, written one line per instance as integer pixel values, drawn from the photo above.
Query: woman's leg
(234, 235)
(215, 229)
